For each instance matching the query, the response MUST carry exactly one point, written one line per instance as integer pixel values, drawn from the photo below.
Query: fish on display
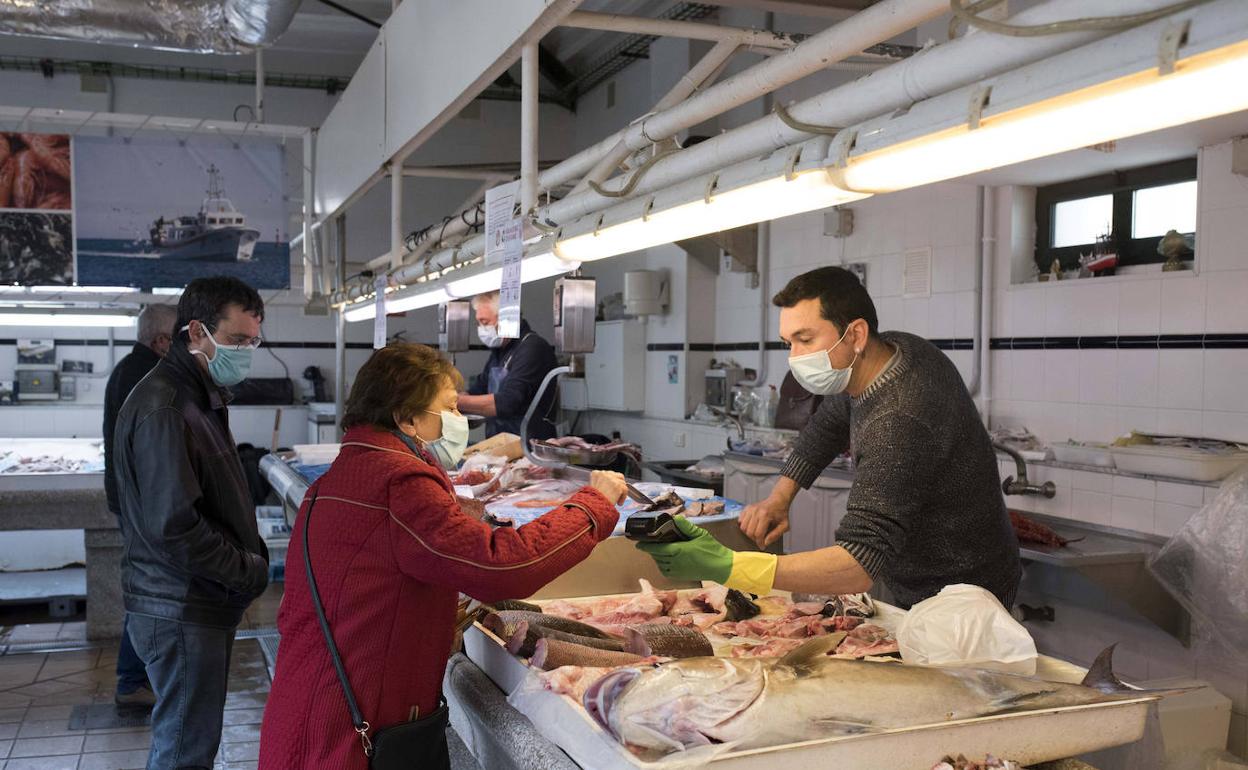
(666, 639)
(740, 606)
(550, 654)
(556, 622)
(756, 702)
(515, 605)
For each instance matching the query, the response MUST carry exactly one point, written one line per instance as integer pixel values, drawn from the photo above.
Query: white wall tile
(1226, 378)
(1028, 375)
(1137, 377)
(1000, 363)
(1061, 312)
(1061, 421)
(1092, 507)
(1180, 494)
(1093, 482)
(1027, 311)
(1061, 375)
(1097, 423)
(890, 272)
(1183, 303)
(1139, 307)
(1097, 306)
(1222, 232)
(1226, 310)
(964, 324)
(1098, 377)
(1228, 426)
(1126, 486)
(1133, 513)
(1180, 422)
(942, 316)
(917, 316)
(1136, 418)
(1180, 380)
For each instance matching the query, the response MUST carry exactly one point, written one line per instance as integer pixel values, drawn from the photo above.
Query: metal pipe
(309, 214)
(396, 220)
(434, 172)
(702, 72)
(987, 303)
(973, 386)
(528, 416)
(933, 71)
(259, 85)
(1022, 486)
(690, 30)
(340, 329)
(530, 84)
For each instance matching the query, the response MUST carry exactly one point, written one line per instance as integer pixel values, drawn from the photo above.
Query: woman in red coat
(391, 550)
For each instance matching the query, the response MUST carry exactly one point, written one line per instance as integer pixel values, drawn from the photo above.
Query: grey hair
(155, 320)
(486, 298)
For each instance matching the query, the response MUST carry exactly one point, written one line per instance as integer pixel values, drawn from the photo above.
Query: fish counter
(519, 493)
(698, 677)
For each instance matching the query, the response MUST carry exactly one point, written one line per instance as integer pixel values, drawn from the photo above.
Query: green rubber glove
(701, 557)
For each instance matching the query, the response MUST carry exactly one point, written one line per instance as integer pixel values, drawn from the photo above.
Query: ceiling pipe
(529, 85)
(863, 30)
(701, 73)
(933, 71)
(690, 30)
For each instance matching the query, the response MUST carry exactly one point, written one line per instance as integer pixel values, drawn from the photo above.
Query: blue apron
(496, 377)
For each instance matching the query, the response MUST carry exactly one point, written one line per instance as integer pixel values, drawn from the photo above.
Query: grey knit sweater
(926, 508)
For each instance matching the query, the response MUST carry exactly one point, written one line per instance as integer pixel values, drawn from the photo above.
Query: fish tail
(1101, 677)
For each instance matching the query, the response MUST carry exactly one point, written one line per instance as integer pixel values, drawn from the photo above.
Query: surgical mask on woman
(815, 373)
(489, 336)
(449, 448)
(229, 364)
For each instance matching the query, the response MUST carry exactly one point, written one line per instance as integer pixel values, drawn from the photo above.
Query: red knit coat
(391, 550)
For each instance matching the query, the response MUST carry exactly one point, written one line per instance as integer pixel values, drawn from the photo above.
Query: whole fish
(552, 621)
(666, 639)
(523, 640)
(553, 653)
(755, 702)
(515, 605)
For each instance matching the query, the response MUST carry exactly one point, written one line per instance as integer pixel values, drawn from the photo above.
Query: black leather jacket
(192, 550)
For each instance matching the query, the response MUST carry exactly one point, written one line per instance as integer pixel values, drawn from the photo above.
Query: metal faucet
(736, 419)
(1022, 486)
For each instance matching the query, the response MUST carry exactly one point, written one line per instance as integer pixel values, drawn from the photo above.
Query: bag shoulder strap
(357, 717)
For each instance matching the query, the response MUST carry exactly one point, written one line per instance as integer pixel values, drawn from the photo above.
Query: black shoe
(143, 697)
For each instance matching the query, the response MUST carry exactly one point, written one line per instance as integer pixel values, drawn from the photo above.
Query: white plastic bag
(965, 625)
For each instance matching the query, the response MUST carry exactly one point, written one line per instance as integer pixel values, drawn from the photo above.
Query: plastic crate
(277, 558)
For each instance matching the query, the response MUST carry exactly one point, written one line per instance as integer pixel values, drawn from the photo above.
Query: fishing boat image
(219, 233)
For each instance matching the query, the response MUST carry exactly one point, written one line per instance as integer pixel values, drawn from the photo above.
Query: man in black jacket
(155, 335)
(193, 559)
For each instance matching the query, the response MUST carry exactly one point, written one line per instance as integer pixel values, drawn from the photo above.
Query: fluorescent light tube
(1202, 86)
(399, 302)
(534, 268)
(67, 289)
(773, 197)
(80, 320)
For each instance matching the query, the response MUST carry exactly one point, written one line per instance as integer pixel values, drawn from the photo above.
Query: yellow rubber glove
(702, 557)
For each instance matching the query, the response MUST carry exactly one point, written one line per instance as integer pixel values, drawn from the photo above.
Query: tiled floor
(39, 690)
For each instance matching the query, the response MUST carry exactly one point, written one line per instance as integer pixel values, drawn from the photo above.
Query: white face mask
(449, 448)
(489, 336)
(815, 373)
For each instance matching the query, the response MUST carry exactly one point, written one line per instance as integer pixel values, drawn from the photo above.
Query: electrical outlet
(678, 439)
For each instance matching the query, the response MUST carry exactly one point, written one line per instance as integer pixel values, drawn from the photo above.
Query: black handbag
(797, 405)
(406, 746)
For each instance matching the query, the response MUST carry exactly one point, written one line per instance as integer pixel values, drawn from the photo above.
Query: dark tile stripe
(670, 346)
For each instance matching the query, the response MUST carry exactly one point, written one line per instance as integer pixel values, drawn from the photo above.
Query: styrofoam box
(316, 454)
(1083, 454)
(1177, 462)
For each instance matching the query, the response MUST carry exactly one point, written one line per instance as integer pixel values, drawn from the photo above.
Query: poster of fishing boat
(157, 212)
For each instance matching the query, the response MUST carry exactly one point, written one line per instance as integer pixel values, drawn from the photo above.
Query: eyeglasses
(236, 341)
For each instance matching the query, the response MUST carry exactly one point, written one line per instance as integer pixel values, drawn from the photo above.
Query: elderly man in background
(155, 335)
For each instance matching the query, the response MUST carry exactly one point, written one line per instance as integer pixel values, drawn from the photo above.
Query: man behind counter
(505, 388)
(925, 510)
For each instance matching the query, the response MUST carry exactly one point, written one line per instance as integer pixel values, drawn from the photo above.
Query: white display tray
(1028, 737)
